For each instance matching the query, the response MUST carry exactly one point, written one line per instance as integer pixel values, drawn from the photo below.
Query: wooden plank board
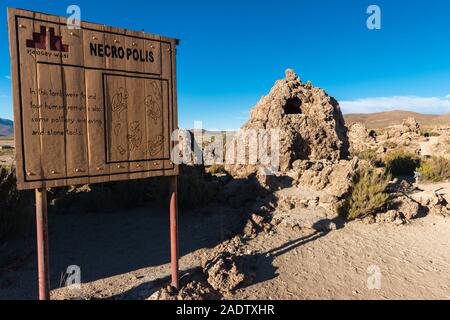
(26, 102)
(74, 87)
(137, 133)
(94, 104)
(50, 89)
(98, 168)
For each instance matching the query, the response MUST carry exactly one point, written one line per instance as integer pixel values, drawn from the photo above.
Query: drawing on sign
(156, 90)
(122, 150)
(135, 138)
(155, 145)
(153, 108)
(153, 103)
(119, 101)
(117, 127)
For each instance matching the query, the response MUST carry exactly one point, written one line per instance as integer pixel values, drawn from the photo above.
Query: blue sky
(231, 52)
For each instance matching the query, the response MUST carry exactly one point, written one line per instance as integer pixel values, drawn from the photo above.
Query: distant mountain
(6, 127)
(389, 118)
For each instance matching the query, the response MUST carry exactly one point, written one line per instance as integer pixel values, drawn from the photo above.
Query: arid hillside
(384, 119)
(6, 127)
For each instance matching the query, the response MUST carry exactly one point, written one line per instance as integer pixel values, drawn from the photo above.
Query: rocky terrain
(337, 209)
(316, 178)
(395, 117)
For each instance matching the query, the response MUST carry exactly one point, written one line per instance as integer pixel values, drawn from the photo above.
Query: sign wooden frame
(65, 84)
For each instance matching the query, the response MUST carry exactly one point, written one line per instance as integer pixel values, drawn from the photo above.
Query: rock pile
(360, 138)
(401, 209)
(224, 268)
(314, 172)
(405, 136)
(193, 286)
(309, 122)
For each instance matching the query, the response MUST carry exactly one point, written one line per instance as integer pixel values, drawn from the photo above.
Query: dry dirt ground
(115, 251)
(126, 256)
(413, 260)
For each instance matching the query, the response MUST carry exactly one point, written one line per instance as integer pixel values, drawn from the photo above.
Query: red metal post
(42, 244)
(174, 229)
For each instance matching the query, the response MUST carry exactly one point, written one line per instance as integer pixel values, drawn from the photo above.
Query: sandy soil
(115, 251)
(123, 258)
(414, 261)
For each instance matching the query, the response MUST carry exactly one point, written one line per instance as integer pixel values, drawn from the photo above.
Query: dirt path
(116, 252)
(414, 261)
(125, 256)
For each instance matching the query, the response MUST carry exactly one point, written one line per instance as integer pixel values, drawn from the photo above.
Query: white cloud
(8, 77)
(430, 105)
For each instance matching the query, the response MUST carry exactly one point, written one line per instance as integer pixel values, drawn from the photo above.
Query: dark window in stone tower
(293, 106)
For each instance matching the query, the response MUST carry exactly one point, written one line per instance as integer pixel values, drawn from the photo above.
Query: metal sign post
(42, 244)
(174, 229)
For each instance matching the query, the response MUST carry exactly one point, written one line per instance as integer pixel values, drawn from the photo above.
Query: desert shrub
(390, 145)
(195, 187)
(7, 152)
(217, 168)
(428, 134)
(16, 210)
(368, 193)
(369, 155)
(401, 162)
(435, 169)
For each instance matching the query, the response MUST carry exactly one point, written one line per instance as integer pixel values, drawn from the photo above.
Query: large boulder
(309, 122)
(335, 178)
(360, 138)
(410, 125)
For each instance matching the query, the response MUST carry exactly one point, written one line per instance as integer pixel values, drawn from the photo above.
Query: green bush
(369, 155)
(217, 168)
(435, 169)
(195, 187)
(7, 152)
(401, 162)
(390, 145)
(368, 193)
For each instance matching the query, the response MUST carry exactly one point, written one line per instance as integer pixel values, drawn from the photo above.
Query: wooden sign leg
(42, 244)
(174, 229)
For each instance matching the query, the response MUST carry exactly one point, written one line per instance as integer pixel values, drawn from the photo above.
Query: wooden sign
(91, 105)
